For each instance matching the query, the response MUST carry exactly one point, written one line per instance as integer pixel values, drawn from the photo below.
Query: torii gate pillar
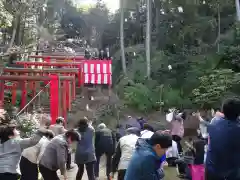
(54, 99)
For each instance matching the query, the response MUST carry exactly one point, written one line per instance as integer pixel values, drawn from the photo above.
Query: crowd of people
(134, 151)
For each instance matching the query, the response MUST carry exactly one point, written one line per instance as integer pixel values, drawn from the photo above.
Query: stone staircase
(87, 104)
(90, 102)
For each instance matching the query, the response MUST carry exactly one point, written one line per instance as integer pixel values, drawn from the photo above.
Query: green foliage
(214, 87)
(199, 40)
(205, 64)
(27, 128)
(140, 97)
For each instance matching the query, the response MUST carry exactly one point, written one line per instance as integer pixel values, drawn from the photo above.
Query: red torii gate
(55, 82)
(56, 64)
(69, 88)
(49, 58)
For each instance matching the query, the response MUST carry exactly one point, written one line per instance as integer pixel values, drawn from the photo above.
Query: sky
(112, 5)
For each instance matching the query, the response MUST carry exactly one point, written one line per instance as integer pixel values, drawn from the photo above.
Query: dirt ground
(170, 173)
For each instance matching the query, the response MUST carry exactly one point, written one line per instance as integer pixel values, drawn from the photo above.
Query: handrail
(31, 100)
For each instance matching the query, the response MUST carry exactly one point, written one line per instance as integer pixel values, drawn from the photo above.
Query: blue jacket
(144, 164)
(223, 157)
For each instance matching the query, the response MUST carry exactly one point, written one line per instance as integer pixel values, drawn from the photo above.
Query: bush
(28, 124)
(140, 97)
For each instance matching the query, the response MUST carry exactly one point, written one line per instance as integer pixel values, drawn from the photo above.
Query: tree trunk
(122, 39)
(157, 21)
(18, 32)
(148, 39)
(219, 29)
(237, 9)
(14, 32)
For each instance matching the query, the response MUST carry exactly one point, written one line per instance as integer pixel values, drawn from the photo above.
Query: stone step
(92, 89)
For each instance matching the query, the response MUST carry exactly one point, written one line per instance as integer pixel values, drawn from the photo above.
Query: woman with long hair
(85, 153)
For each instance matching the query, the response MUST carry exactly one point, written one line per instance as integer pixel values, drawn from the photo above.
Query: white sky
(112, 5)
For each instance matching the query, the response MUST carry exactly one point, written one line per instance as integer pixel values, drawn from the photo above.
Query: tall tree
(123, 58)
(148, 38)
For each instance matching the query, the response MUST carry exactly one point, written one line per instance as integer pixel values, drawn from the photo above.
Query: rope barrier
(31, 100)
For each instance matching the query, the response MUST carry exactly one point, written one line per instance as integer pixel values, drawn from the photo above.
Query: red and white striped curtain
(97, 72)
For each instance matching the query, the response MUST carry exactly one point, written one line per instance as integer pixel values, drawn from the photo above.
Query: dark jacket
(104, 141)
(223, 157)
(144, 164)
(142, 122)
(132, 122)
(120, 132)
(85, 152)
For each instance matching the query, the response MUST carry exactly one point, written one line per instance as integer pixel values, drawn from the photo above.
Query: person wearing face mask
(55, 155)
(144, 164)
(11, 146)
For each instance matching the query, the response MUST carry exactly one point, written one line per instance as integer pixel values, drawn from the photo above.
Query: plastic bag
(169, 116)
(197, 172)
